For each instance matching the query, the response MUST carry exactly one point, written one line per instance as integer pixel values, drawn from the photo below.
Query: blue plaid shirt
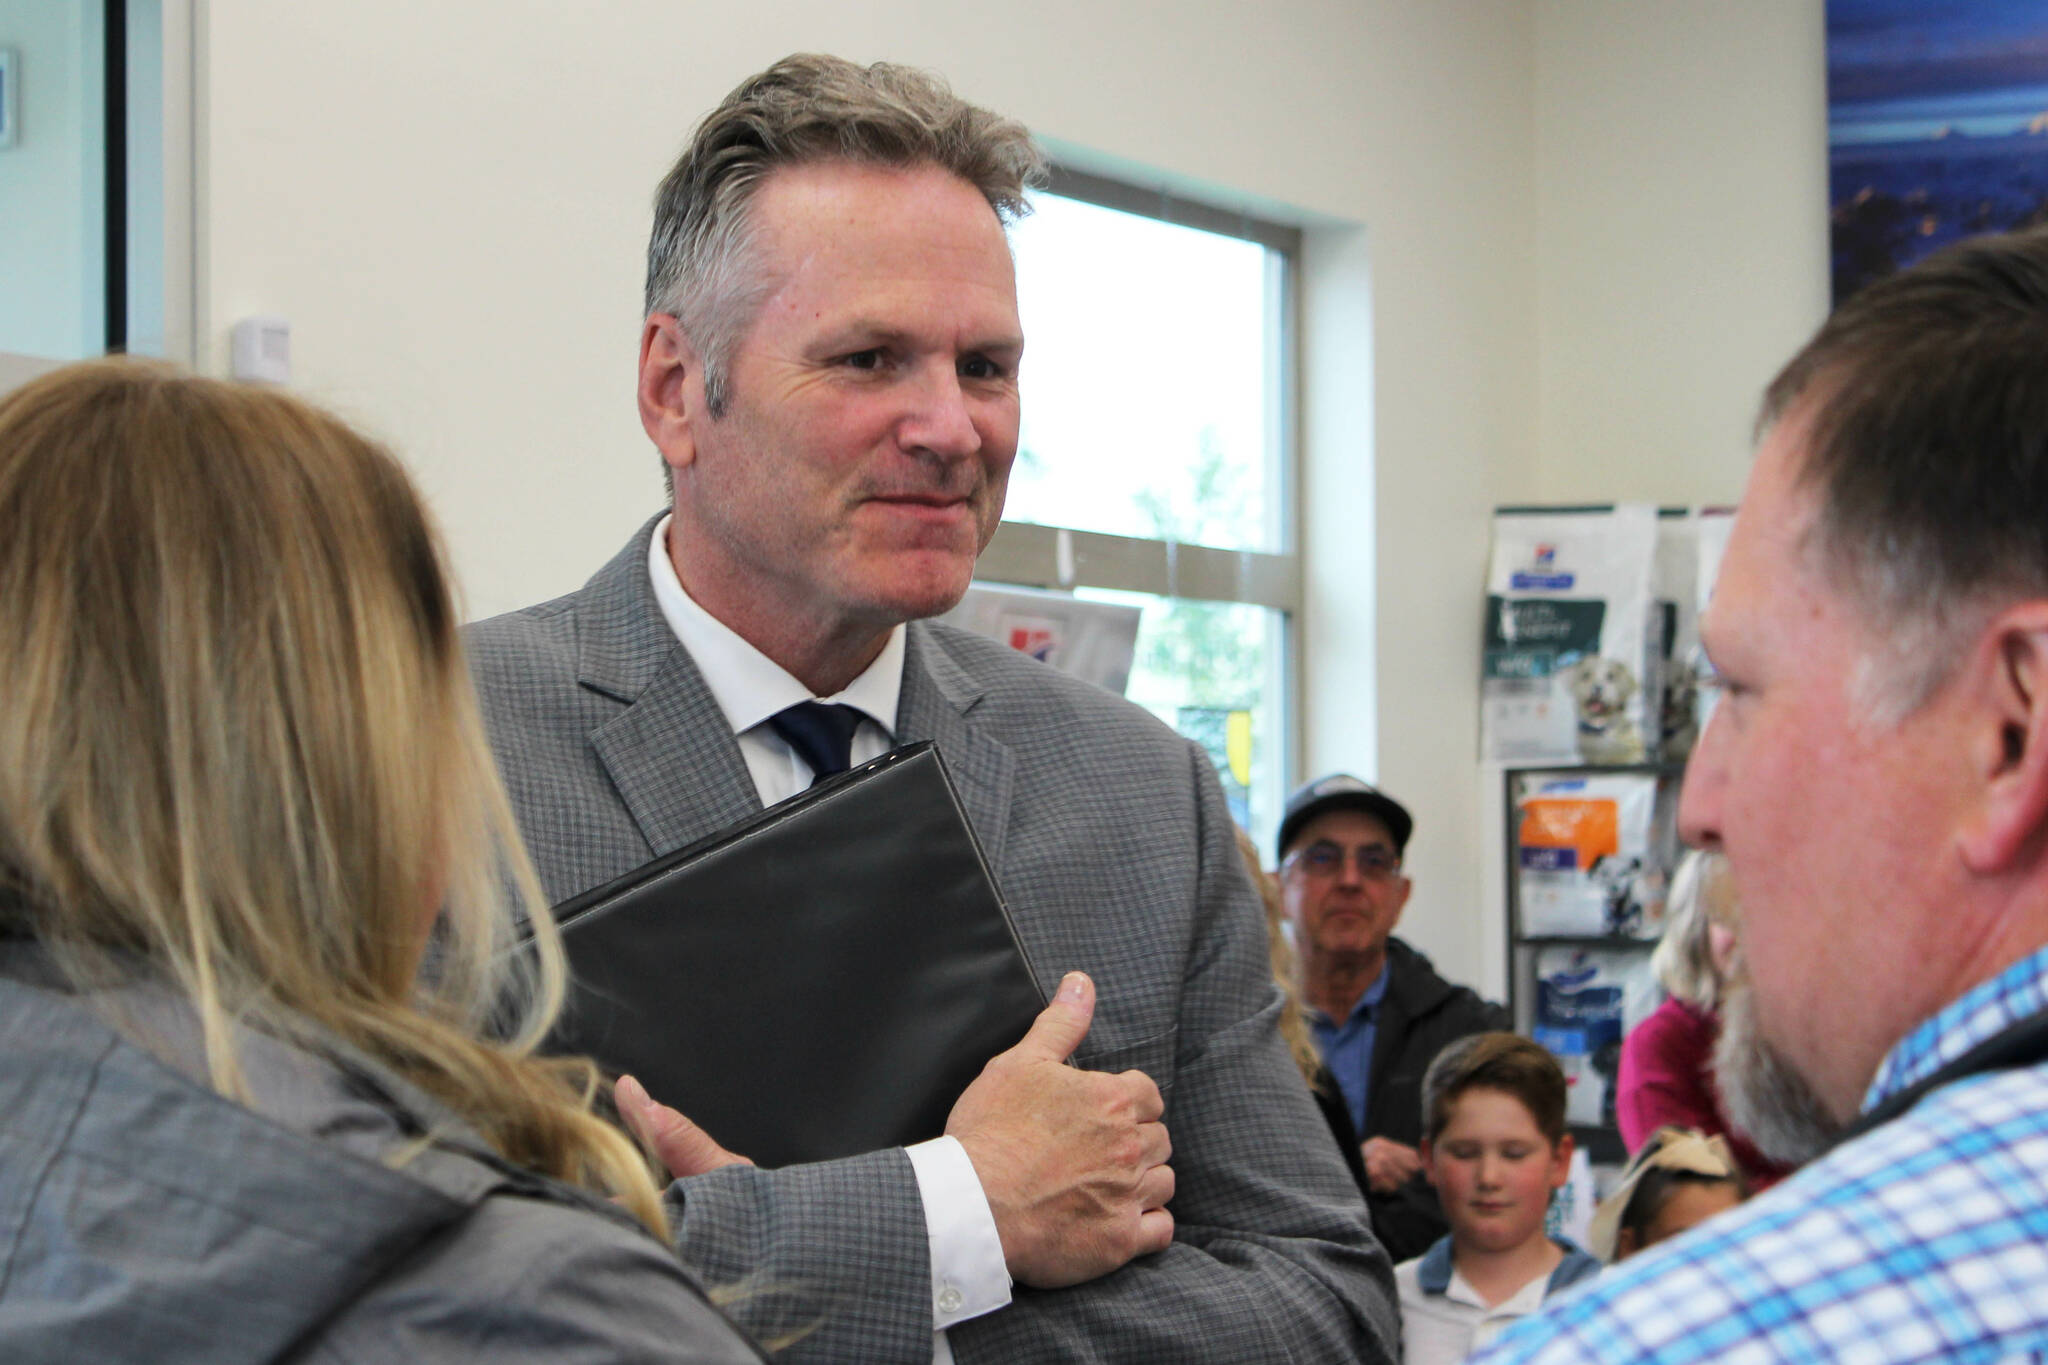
(1925, 1239)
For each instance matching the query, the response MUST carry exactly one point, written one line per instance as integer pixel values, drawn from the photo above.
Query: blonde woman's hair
(239, 748)
(1702, 895)
(1293, 1021)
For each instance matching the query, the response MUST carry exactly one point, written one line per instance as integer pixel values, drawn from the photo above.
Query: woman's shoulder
(525, 1278)
(308, 1210)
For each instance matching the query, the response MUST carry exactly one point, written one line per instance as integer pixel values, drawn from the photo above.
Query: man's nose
(1348, 871)
(1706, 780)
(940, 421)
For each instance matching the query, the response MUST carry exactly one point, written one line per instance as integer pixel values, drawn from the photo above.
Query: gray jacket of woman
(144, 1217)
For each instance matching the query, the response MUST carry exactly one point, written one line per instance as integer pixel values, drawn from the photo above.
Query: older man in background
(1877, 773)
(829, 368)
(1379, 1010)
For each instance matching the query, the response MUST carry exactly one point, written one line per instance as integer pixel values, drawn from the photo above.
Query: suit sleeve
(1272, 1258)
(823, 1262)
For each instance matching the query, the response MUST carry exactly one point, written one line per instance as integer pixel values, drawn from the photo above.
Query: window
(1155, 464)
(82, 171)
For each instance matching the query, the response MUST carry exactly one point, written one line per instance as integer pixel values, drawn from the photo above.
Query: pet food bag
(1586, 1001)
(1586, 861)
(1674, 576)
(1567, 663)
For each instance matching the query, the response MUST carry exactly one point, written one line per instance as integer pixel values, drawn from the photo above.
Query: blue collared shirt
(1347, 1047)
(1924, 1239)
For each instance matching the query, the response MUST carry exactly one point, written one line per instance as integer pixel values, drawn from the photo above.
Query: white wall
(1681, 257)
(1555, 246)
(1681, 229)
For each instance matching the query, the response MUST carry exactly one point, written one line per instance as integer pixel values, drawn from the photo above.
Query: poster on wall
(1937, 128)
(1095, 641)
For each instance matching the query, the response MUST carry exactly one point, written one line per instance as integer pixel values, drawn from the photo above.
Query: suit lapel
(669, 751)
(937, 701)
(672, 755)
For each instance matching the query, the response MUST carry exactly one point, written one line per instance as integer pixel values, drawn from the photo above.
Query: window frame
(1030, 554)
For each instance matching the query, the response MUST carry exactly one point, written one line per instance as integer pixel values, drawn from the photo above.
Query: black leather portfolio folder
(821, 980)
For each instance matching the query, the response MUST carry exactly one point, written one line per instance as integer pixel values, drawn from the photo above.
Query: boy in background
(1495, 1147)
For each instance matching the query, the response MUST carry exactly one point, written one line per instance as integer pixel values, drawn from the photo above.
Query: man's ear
(671, 389)
(1428, 1166)
(2009, 741)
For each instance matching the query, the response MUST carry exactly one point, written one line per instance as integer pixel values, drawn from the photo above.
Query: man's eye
(870, 359)
(980, 367)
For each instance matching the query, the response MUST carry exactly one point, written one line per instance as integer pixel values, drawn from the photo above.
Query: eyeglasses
(1375, 862)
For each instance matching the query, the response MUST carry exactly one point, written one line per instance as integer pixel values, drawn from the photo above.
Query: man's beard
(1766, 1100)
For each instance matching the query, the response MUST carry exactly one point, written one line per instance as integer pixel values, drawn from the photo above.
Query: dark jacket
(1421, 1014)
(143, 1216)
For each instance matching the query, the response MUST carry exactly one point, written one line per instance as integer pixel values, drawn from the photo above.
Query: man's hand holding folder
(1073, 1162)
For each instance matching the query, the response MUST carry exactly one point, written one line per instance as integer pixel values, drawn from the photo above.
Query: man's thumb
(680, 1145)
(1062, 1025)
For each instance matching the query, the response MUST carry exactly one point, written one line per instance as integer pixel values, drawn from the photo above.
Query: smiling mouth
(936, 502)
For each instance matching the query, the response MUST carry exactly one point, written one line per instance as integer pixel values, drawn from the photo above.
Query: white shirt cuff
(969, 1277)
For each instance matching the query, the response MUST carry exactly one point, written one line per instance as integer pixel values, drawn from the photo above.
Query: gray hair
(804, 109)
(1927, 396)
(1702, 895)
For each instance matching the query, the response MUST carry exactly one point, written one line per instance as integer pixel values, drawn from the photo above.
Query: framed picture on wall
(9, 102)
(1937, 127)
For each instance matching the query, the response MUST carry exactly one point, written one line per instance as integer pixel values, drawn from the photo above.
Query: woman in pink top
(1667, 1060)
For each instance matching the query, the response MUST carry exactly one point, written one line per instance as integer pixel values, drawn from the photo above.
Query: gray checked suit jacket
(1112, 844)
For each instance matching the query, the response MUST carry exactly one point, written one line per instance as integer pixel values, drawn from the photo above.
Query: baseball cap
(1342, 791)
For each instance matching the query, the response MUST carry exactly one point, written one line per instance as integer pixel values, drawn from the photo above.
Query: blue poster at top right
(1937, 127)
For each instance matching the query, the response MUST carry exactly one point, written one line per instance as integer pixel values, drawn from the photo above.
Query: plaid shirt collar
(1984, 1010)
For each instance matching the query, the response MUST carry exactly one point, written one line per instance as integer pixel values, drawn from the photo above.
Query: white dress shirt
(969, 1277)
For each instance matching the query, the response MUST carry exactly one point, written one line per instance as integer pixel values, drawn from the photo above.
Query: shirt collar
(1368, 1003)
(1986, 1009)
(1433, 1273)
(748, 686)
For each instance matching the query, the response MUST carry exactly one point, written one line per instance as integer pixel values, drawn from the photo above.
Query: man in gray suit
(829, 370)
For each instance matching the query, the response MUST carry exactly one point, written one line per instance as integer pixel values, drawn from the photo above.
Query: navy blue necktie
(821, 733)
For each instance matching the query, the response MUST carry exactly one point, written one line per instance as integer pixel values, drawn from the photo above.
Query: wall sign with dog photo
(1571, 648)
